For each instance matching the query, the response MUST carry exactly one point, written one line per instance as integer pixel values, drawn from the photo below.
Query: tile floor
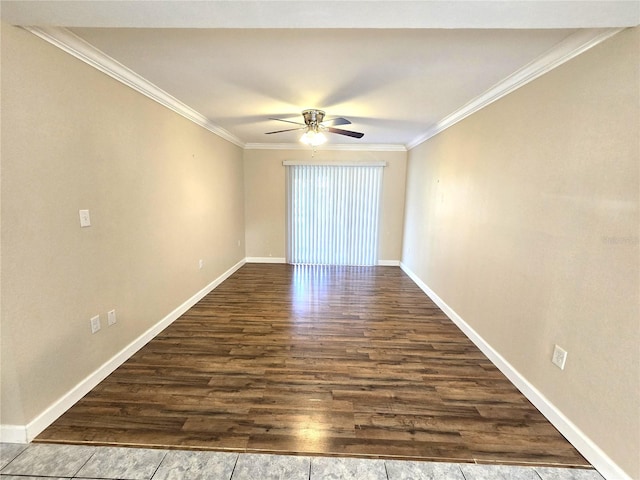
(54, 461)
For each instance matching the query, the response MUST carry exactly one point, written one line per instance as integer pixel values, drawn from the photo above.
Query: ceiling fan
(314, 126)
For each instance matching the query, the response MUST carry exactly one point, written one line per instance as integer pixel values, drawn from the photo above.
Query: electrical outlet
(111, 317)
(200, 264)
(559, 357)
(95, 324)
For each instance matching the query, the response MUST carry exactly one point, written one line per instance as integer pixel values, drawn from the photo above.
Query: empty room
(281, 239)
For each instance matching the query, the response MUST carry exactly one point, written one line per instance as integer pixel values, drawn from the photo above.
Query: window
(332, 213)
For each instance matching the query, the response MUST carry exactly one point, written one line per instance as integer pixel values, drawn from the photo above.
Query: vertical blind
(332, 214)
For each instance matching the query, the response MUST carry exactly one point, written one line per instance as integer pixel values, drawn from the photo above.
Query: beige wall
(524, 219)
(162, 193)
(265, 202)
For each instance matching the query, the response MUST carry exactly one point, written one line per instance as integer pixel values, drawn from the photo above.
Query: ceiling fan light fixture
(313, 138)
(314, 128)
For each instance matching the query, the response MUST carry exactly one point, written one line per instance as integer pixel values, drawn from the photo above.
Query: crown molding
(339, 147)
(74, 45)
(569, 48)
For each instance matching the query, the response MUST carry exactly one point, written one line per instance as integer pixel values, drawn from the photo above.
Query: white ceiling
(400, 71)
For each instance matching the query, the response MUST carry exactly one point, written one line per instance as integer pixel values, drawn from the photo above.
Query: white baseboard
(388, 263)
(13, 434)
(266, 260)
(587, 447)
(26, 433)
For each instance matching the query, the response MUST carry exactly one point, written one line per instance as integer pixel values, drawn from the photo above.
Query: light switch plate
(85, 219)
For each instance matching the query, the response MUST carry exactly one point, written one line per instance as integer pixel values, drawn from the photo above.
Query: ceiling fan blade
(287, 130)
(348, 133)
(288, 121)
(336, 121)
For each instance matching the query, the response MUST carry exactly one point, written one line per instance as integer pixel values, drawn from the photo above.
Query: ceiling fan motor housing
(313, 117)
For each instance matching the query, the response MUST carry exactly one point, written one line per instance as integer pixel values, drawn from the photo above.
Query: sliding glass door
(333, 214)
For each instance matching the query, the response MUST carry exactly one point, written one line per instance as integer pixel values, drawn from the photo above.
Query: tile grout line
(159, 465)
(464, 477)
(386, 472)
(95, 451)
(23, 452)
(235, 464)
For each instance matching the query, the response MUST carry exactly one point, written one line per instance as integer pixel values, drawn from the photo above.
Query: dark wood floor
(352, 361)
